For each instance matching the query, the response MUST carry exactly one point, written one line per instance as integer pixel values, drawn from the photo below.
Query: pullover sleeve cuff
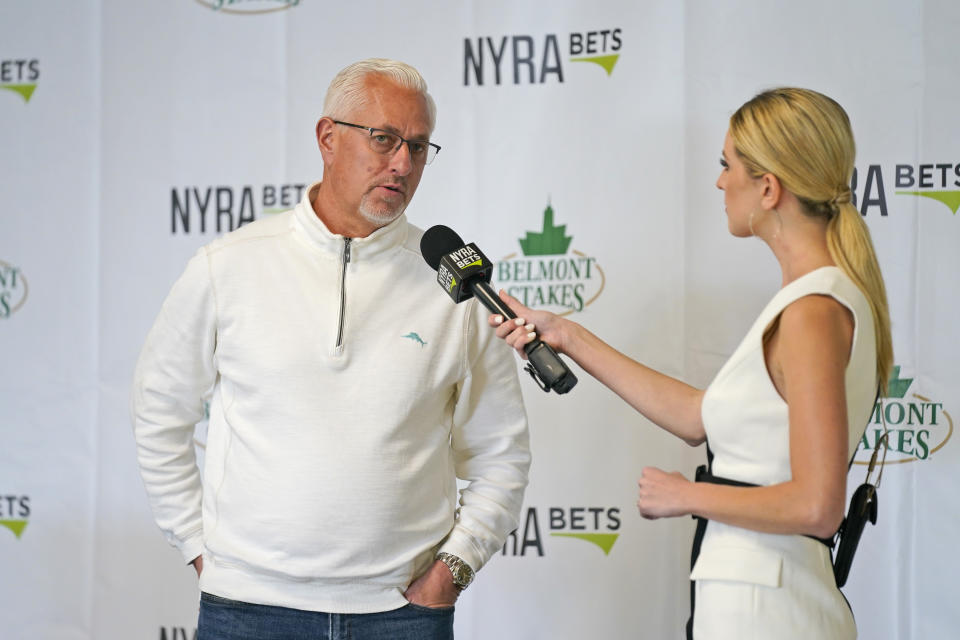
(192, 547)
(461, 544)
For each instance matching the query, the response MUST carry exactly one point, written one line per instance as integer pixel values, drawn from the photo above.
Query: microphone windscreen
(438, 241)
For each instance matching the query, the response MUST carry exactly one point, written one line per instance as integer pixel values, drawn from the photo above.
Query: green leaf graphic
(607, 62)
(949, 198)
(25, 90)
(17, 526)
(549, 242)
(603, 540)
(897, 386)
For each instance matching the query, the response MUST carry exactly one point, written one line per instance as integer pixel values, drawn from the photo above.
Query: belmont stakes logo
(938, 181)
(528, 59)
(919, 426)
(14, 512)
(13, 289)
(20, 77)
(248, 6)
(549, 275)
(599, 526)
(221, 208)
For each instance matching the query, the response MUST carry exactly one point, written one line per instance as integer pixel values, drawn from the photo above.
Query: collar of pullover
(308, 224)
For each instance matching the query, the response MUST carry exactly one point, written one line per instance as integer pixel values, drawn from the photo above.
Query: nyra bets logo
(919, 426)
(222, 208)
(14, 511)
(528, 59)
(13, 289)
(248, 6)
(939, 181)
(550, 275)
(598, 526)
(20, 77)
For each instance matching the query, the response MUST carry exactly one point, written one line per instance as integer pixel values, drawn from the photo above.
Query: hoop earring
(776, 234)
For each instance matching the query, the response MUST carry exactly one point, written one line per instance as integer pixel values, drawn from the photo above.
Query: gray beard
(379, 218)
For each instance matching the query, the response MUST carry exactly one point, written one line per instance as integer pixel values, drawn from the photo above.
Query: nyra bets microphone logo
(550, 274)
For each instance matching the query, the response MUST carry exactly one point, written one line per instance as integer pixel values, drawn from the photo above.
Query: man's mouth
(392, 187)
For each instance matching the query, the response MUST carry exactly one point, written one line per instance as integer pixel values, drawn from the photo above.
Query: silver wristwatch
(461, 571)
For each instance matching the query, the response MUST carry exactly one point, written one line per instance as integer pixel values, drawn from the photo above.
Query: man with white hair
(348, 395)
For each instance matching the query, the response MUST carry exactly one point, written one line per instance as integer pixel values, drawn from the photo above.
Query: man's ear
(772, 191)
(325, 130)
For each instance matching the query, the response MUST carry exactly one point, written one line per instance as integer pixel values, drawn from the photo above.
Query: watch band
(462, 572)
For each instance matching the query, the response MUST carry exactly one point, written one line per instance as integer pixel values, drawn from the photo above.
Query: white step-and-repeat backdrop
(133, 132)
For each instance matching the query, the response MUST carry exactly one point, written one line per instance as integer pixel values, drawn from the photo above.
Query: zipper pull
(346, 250)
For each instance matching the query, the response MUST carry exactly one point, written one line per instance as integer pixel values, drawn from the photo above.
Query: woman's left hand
(662, 494)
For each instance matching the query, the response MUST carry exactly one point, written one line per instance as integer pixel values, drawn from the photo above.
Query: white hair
(347, 92)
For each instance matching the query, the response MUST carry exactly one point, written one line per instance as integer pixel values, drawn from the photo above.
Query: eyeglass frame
(396, 135)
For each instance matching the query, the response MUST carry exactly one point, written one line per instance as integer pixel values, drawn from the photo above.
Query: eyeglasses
(388, 143)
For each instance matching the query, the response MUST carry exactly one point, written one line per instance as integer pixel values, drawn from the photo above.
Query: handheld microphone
(464, 272)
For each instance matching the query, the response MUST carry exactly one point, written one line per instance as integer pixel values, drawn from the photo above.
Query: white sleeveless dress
(752, 585)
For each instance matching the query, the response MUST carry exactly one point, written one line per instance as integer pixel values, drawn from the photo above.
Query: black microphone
(464, 272)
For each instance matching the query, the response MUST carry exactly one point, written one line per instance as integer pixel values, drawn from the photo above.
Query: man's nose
(401, 162)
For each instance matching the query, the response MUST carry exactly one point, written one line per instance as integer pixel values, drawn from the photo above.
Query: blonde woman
(785, 413)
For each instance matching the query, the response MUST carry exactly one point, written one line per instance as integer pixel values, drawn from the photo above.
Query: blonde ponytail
(848, 239)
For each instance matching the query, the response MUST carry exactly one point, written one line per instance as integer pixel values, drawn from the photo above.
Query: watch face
(461, 572)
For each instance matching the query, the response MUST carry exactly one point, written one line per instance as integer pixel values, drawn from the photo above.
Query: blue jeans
(223, 619)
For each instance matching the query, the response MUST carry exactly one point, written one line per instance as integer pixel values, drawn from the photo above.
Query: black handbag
(863, 507)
